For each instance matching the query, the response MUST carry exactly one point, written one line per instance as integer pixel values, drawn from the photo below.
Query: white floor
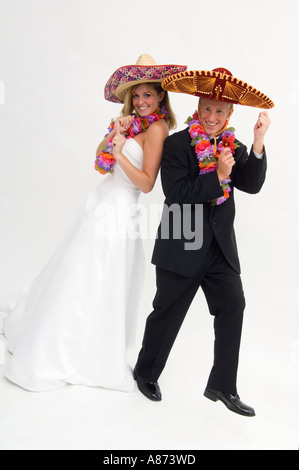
(77, 417)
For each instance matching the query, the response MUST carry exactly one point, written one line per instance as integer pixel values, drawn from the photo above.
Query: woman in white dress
(79, 317)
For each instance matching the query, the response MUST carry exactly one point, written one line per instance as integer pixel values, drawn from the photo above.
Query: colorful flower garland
(105, 161)
(207, 156)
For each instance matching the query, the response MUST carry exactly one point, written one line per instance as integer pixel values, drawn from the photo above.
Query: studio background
(55, 59)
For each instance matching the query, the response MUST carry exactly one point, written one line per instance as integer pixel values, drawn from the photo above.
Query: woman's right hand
(123, 123)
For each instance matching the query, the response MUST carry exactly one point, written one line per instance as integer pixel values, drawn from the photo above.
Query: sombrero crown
(145, 70)
(218, 84)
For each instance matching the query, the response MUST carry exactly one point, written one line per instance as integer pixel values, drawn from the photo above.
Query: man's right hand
(226, 162)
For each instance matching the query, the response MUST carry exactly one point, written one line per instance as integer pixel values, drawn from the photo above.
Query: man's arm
(249, 173)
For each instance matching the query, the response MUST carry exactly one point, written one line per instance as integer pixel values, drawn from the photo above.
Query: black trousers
(223, 291)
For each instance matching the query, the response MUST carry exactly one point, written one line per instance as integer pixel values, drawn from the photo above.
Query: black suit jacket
(182, 185)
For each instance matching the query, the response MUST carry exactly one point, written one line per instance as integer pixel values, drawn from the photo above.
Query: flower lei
(105, 161)
(207, 156)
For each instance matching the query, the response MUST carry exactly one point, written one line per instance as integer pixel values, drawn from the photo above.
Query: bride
(78, 319)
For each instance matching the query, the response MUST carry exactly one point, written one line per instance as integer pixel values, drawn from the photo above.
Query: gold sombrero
(218, 84)
(145, 70)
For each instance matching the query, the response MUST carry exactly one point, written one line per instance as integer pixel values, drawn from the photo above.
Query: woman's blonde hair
(170, 118)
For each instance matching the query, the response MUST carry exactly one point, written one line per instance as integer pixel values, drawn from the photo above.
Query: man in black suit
(182, 265)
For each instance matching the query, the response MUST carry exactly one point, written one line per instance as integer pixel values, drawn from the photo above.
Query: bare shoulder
(158, 129)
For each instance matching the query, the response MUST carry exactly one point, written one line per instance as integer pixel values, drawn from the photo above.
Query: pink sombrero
(145, 70)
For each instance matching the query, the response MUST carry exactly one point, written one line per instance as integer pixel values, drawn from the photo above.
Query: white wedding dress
(80, 315)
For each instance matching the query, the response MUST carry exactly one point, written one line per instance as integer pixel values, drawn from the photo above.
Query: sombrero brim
(218, 86)
(131, 75)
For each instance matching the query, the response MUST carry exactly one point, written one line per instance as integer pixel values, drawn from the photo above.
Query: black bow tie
(218, 139)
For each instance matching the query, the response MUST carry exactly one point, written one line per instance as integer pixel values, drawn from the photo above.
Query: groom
(215, 265)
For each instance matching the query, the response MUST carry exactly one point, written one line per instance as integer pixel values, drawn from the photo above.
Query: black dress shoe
(232, 402)
(150, 389)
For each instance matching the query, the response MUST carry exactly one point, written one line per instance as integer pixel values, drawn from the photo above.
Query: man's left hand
(260, 130)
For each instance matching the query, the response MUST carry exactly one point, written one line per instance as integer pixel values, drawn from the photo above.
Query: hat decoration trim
(105, 161)
(207, 155)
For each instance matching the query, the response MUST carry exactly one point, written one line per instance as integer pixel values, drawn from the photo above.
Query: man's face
(213, 115)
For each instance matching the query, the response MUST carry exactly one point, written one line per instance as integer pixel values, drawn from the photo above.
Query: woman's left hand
(118, 142)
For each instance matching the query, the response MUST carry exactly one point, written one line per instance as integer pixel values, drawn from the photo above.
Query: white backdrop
(55, 58)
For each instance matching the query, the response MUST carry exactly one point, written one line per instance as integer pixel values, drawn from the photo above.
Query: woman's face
(146, 100)
(213, 115)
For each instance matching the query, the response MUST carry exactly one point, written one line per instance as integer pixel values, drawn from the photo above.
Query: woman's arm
(152, 153)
